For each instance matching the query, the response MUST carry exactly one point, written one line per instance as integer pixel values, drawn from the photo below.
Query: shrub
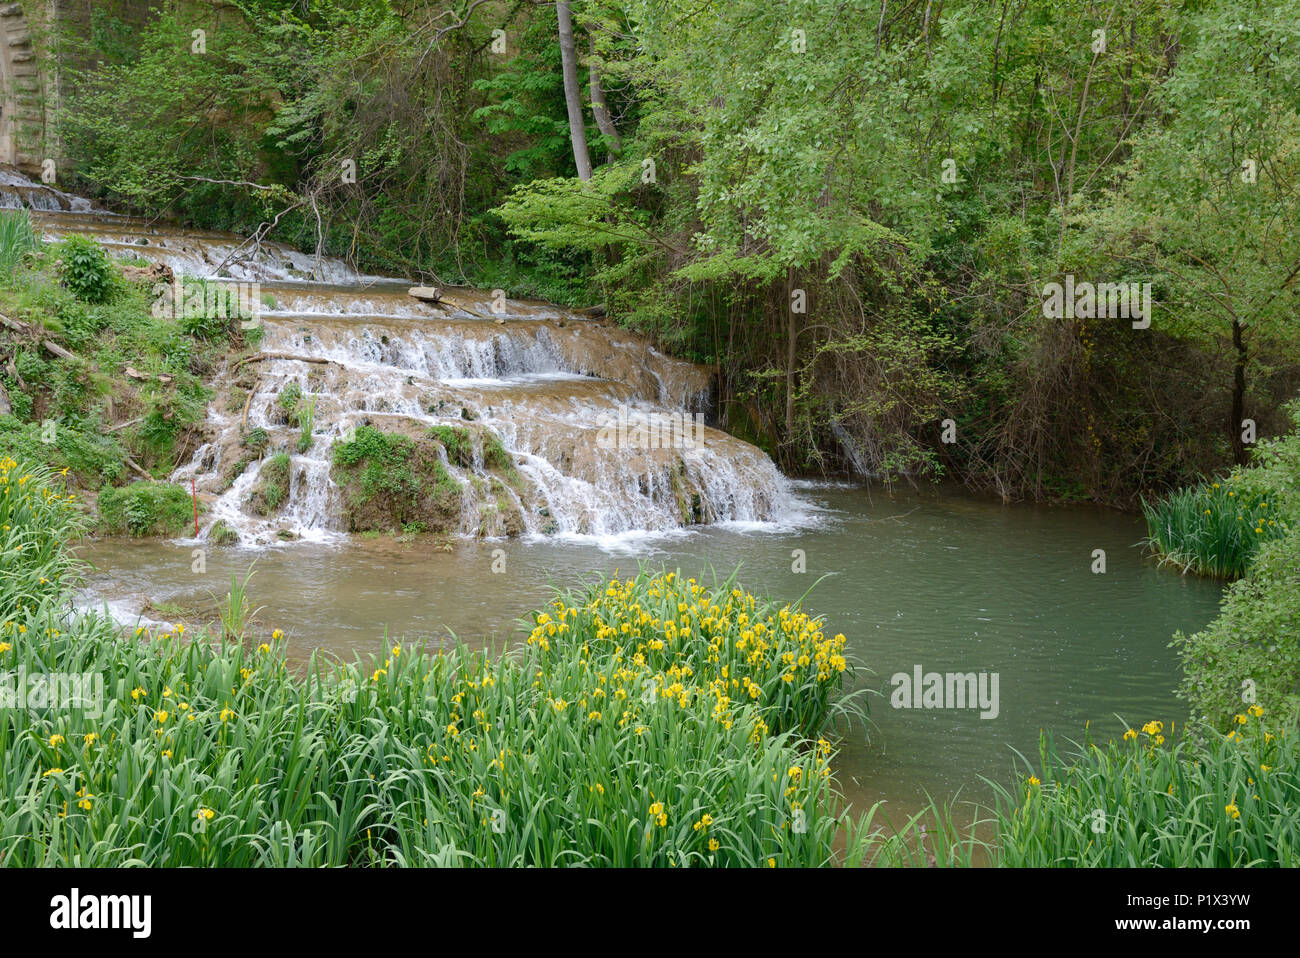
(288, 400)
(1253, 646)
(85, 268)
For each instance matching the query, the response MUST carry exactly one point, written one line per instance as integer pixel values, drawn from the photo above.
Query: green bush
(289, 398)
(145, 509)
(85, 268)
(1253, 647)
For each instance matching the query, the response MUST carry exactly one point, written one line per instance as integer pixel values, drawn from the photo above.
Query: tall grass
(35, 522)
(236, 611)
(1148, 800)
(591, 745)
(306, 418)
(17, 239)
(1211, 529)
(1151, 799)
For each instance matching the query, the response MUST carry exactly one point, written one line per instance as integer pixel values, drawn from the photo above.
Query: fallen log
(425, 294)
(290, 356)
(122, 425)
(136, 466)
(57, 350)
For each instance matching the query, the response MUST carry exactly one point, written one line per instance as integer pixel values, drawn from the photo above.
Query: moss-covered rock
(287, 404)
(390, 480)
(145, 509)
(222, 534)
(468, 446)
(458, 442)
(271, 491)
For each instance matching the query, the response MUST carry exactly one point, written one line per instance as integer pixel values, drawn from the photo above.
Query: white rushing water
(550, 385)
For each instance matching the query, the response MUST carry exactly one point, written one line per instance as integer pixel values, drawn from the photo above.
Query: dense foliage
(93, 381)
(1251, 652)
(853, 208)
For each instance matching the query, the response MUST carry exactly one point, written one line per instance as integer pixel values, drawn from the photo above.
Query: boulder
(157, 273)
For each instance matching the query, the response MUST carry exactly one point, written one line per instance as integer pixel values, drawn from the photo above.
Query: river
(934, 578)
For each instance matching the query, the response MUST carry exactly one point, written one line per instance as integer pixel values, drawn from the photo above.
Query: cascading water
(602, 435)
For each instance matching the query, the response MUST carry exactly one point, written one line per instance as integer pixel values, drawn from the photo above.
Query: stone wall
(25, 96)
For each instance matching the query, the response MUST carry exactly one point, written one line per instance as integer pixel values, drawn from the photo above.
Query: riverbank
(649, 721)
(646, 720)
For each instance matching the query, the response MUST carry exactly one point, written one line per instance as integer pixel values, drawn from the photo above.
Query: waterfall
(545, 383)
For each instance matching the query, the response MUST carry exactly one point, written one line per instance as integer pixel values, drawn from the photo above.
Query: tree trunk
(598, 106)
(1238, 394)
(792, 336)
(572, 96)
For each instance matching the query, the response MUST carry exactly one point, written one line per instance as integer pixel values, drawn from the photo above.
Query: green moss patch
(145, 509)
(271, 491)
(390, 480)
